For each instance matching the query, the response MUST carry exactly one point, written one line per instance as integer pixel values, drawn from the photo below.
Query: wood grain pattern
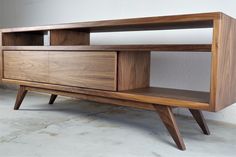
(169, 121)
(201, 48)
(26, 65)
(22, 39)
(225, 64)
(69, 37)
(133, 70)
(20, 97)
(201, 20)
(81, 69)
(95, 70)
(170, 97)
(214, 62)
(198, 116)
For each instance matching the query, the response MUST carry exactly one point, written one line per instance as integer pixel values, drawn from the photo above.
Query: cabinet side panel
(226, 63)
(133, 70)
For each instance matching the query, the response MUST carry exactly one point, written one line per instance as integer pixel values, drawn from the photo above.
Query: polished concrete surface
(73, 128)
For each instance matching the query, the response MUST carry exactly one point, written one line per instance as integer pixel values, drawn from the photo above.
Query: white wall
(176, 70)
(1, 15)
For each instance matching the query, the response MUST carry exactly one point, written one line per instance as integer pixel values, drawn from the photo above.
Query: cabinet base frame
(165, 112)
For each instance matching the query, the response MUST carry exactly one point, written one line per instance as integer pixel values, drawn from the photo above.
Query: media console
(119, 74)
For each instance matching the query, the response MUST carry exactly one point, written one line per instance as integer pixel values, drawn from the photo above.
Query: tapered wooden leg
(198, 116)
(20, 97)
(166, 115)
(52, 98)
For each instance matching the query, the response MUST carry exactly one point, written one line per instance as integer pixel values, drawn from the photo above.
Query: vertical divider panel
(133, 70)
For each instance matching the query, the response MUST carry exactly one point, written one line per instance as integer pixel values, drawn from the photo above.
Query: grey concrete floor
(86, 129)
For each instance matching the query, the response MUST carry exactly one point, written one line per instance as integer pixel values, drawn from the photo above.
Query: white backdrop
(168, 69)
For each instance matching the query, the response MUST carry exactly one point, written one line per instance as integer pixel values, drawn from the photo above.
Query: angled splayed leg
(52, 99)
(167, 117)
(198, 116)
(20, 97)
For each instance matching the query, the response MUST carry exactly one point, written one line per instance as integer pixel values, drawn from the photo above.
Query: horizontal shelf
(202, 20)
(165, 47)
(156, 93)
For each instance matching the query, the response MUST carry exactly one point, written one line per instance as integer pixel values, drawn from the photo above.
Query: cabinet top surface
(200, 20)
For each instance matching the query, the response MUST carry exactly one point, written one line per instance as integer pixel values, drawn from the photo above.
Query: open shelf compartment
(79, 33)
(171, 97)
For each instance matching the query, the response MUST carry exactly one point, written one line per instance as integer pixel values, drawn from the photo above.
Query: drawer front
(84, 69)
(95, 70)
(25, 65)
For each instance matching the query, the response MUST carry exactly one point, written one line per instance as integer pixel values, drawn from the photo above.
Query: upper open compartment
(34, 38)
(78, 34)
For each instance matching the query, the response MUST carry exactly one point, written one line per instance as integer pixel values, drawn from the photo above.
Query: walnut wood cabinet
(119, 74)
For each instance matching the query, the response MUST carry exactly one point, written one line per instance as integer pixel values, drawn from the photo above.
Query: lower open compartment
(170, 97)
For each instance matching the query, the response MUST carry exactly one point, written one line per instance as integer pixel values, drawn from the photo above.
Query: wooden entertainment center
(119, 74)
